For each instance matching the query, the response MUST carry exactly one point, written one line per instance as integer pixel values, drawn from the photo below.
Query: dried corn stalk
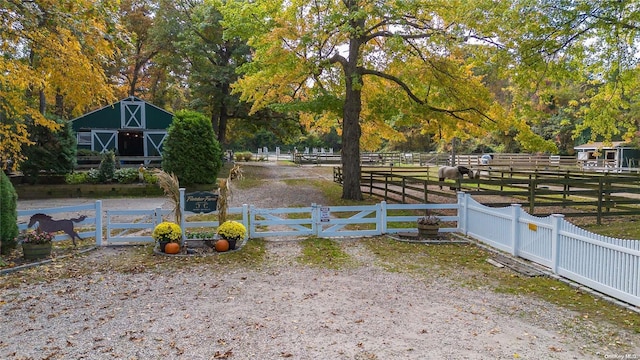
(225, 193)
(171, 186)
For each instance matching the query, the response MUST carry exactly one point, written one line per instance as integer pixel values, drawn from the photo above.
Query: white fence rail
(605, 264)
(129, 226)
(608, 265)
(91, 226)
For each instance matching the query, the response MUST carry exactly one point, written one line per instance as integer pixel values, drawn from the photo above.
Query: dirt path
(284, 309)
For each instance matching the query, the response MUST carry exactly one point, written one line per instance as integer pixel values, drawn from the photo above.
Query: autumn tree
(362, 64)
(580, 57)
(53, 59)
(138, 47)
(204, 57)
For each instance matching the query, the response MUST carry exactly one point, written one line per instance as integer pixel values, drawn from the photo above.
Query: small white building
(616, 155)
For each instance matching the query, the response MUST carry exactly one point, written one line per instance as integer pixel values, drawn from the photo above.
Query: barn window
(611, 155)
(84, 138)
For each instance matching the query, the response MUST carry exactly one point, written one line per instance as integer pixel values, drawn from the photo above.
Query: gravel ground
(287, 310)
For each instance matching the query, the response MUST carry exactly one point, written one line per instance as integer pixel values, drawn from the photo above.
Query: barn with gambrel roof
(130, 127)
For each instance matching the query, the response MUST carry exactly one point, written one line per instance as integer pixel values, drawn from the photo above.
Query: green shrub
(51, 153)
(8, 214)
(149, 178)
(243, 156)
(93, 176)
(126, 176)
(107, 169)
(77, 178)
(87, 152)
(190, 150)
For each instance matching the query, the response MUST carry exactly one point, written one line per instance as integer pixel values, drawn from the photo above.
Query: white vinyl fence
(91, 226)
(605, 264)
(608, 265)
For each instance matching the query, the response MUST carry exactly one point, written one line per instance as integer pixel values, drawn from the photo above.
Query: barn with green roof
(130, 127)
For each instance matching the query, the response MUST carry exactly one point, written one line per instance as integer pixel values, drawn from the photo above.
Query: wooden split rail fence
(576, 193)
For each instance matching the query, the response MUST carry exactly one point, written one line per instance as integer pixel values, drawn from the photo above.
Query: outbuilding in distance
(616, 155)
(130, 127)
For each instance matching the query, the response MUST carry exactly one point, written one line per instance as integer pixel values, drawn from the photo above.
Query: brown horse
(46, 224)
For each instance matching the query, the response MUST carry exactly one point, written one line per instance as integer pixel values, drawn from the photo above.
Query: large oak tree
(366, 63)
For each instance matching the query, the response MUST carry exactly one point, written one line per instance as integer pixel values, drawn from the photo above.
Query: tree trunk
(225, 89)
(215, 121)
(351, 130)
(351, 146)
(59, 104)
(222, 126)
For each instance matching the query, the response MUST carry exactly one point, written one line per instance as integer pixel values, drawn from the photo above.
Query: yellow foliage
(63, 56)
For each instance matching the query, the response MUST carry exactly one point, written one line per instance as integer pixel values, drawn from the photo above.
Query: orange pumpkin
(222, 245)
(172, 248)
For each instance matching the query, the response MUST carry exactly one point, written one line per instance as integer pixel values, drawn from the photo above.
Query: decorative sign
(325, 214)
(533, 227)
(201, 202)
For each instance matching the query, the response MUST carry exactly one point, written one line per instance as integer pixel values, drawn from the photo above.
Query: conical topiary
(8, 215)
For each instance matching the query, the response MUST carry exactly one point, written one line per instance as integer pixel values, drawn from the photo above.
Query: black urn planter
(163, 244)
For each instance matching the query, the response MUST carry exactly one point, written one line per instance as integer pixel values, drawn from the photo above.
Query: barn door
(153, 142)
(132, 114)
(104, 140)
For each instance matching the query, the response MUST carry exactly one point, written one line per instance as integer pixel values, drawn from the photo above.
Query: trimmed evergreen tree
(190, 150)
(52, 153)
(107, 169)
(8, 214)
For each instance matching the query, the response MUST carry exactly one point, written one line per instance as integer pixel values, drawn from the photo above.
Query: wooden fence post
(565, 188)
(599, 212)
(386, 187)
(607, 192)
(532, 194)
(426, 190)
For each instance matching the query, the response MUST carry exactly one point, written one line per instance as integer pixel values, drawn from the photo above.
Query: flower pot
(232, 244)
(36, 251)
(163, 244)
(428, 231)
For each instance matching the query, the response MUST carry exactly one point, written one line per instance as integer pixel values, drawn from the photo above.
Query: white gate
(132, 226)
(335, 221)
(282, 222)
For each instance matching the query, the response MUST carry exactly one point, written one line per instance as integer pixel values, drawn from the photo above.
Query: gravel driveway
(284, 309)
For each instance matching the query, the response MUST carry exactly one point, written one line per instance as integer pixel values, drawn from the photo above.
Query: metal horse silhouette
(455, 173)
(46, 224)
